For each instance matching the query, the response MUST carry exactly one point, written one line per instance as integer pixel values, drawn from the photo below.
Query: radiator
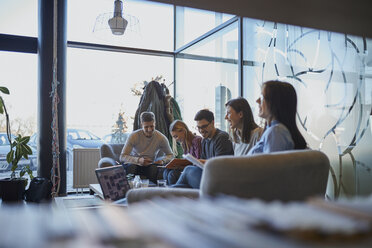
(85, 163)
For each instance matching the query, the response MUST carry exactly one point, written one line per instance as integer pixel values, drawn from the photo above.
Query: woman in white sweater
(244, 131)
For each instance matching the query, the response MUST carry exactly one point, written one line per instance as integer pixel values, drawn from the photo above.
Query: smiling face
(206, 129)
(235, 119)
(179, 135)
(148, 128)
(262, 106)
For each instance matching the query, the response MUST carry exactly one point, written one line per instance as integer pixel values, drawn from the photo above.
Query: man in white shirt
(140, 154)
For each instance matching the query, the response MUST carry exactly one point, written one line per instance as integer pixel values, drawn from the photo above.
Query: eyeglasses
(203, 127)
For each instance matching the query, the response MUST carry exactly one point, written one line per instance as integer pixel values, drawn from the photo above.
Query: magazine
(194, 160)
(177, 163)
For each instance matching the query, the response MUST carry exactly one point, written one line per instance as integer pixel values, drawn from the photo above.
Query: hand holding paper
(194, 160)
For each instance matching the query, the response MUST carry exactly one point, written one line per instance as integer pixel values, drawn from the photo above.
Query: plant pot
(13, 189)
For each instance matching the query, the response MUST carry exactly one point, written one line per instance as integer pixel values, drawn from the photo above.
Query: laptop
(113, 182)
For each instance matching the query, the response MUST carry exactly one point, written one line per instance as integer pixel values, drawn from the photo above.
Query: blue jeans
(150, 172)
(190, 178)
(171, 175)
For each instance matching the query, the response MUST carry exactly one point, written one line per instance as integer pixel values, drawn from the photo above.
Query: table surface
(221, 222)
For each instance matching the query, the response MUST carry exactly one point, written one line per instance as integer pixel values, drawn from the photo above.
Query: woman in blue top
(278, 106)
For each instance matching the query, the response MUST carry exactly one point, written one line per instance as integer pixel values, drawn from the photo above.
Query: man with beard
(139, 154)
(215, 143)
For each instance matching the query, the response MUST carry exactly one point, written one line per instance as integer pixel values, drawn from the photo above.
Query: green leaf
(4, 90)
(26, 139)
(1, 106)
(14, 165)
(22, 173)
(27, 149)
(29, 171)
(9, 156)
(18, 154)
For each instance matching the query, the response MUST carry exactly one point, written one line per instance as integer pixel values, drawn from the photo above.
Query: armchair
(110, 153)
(285, 176)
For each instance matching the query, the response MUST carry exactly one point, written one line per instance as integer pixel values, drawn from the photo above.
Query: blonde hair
(179, 125)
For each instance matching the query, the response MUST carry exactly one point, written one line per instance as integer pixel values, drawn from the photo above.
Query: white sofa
(285, 176)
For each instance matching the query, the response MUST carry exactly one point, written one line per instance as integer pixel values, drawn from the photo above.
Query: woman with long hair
(278, 106)
(244, 131)
(190, 143)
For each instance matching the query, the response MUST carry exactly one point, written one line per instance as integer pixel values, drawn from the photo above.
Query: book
(177, 163)
(194, 160)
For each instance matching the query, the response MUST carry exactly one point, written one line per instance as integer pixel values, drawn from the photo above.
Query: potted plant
(13, 188)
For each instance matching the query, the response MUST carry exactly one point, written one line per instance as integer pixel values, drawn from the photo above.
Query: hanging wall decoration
(56, 173)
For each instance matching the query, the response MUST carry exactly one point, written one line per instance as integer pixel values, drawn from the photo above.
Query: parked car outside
(112, 139)
(76, 138)
(5, 148)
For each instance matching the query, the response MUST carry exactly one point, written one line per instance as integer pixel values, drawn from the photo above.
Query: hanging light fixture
(112, 25)
(117, 23)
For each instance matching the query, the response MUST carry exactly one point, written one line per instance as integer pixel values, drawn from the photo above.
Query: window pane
(189, 22)
(207, 75)
(19, 17)
(204, 84)
(223, 44)
(332, 76)
(154, 30)
(95, 97)
(18, 72)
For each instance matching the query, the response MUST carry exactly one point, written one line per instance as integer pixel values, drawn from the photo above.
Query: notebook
(113, 182)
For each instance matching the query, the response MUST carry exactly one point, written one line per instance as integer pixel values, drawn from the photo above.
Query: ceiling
(343, 16)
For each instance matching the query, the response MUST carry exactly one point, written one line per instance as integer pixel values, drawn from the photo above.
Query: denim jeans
(190, 178)
(150, 172)
(171, 175)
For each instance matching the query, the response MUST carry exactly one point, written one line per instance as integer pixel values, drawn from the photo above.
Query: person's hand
(202, 161)
(145, 161)
(159, 162)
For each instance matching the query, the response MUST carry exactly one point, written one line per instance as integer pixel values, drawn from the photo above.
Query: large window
(207, 75)
(18, 72)
(96, 97)
(332, 76)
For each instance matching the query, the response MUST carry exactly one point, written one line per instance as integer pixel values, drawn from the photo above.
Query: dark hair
(189, 136)
(147, 117)
(281, 100)
(204, 114)
(240, 104)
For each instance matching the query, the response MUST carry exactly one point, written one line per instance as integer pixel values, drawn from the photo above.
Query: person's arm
(197, 148)
(278, 139)
(164, 147)
(127, 149)
(223, 146)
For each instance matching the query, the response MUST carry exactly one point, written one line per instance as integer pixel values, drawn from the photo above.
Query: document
(194, 160)
(177, 163)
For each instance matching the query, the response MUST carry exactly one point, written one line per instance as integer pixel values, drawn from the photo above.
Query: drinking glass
(145, 183)
(162, 183)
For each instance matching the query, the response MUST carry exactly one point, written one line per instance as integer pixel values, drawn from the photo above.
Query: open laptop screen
(113, 182)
